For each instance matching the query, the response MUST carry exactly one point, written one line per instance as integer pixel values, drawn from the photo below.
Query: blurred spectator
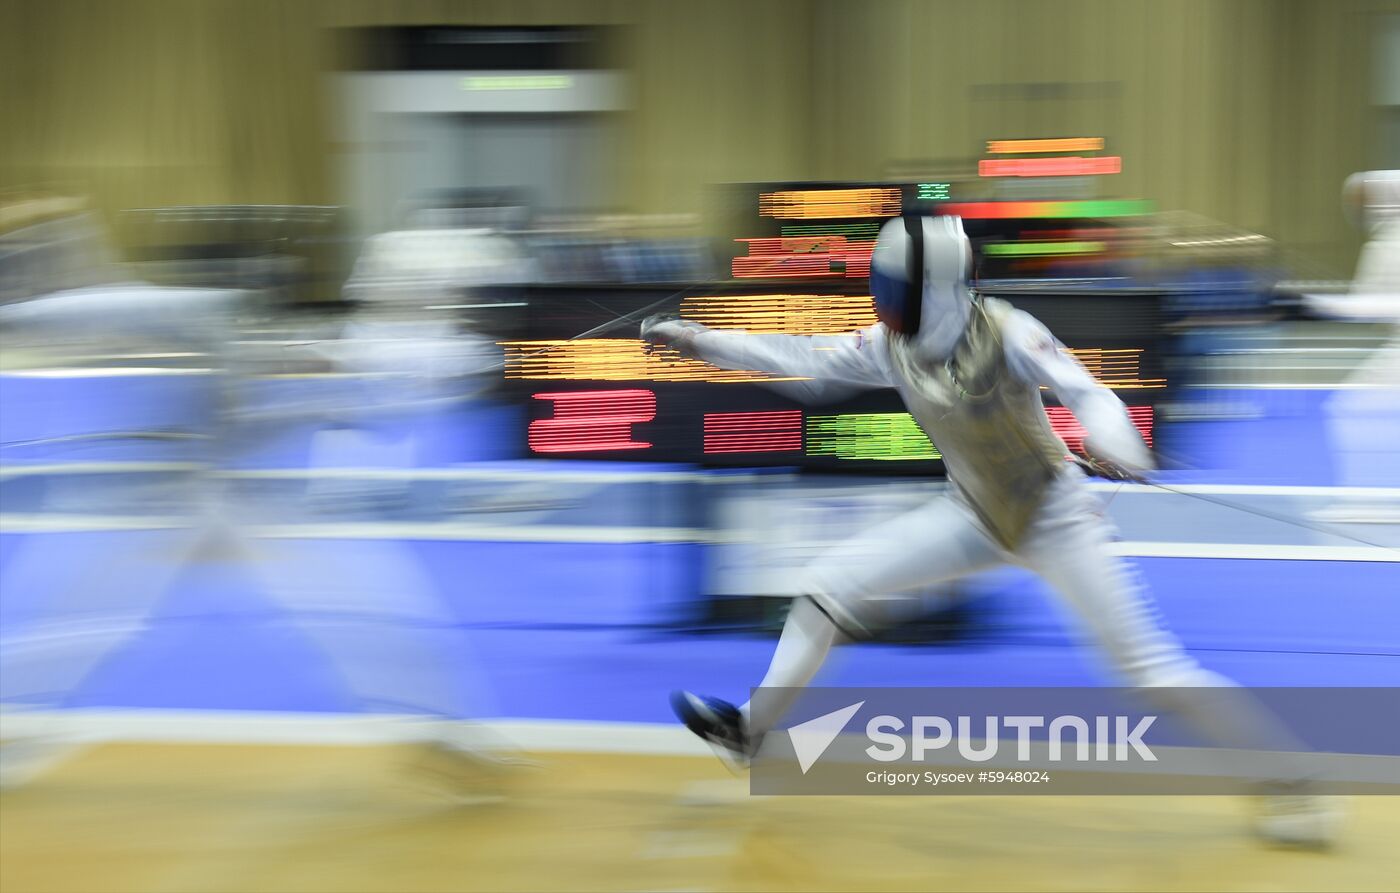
(50, 244)
(1365, 417)
(1372, 200)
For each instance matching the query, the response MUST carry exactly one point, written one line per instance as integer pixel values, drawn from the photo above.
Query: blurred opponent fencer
(367, 605)
(970, 370)
(1364, 416)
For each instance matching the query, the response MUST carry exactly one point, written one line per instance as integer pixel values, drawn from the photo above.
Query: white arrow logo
(811, 738)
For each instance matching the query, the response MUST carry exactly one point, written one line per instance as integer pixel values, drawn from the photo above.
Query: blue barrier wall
(490, 623)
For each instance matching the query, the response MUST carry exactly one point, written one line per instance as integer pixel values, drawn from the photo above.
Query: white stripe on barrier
(104, 372)
(457, 532)
(468, 474)
(1255, 551)
(1248, 490)
(8, 471)
(1288, 385)
(543, 473)
(546, 473)
(369, 530)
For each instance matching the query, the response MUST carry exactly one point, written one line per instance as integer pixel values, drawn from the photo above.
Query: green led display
(849, 230)
(935, 191)
(1020, 249)
(518, 82)
(1104, 208)
(877, 435)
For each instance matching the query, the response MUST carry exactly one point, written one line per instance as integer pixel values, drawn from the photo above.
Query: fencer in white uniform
(970, 369)
(372, 609)
(1363, 418)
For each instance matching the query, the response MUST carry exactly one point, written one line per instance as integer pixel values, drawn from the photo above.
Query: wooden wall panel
(1249, 111)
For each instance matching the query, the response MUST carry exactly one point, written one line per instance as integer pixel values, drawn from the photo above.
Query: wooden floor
(191, 818)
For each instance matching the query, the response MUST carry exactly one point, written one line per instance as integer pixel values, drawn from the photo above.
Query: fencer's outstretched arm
(858, 360)
(1036, 357)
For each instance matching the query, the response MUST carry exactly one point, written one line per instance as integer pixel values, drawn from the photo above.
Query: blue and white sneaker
(718, 723)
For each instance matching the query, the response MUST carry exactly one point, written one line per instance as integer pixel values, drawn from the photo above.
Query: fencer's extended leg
(72, 622)
(808, 634)
(939, 541)
(1068, 546)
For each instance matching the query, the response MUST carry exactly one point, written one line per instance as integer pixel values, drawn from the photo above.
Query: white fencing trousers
(1067, 545)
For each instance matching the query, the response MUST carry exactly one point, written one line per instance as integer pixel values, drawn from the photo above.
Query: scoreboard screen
(799, 261)
(824, 231)
(609, 397)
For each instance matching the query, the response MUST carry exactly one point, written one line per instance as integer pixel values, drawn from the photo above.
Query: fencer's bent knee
(844, 616)
(1166, 670)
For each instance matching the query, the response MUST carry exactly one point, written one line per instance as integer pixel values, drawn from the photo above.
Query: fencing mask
(918, 277)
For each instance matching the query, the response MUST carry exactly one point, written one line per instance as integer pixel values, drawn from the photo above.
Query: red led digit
(1072, 433)
(804, 257)
(592, 421)
(1050, 167)
(753, 432)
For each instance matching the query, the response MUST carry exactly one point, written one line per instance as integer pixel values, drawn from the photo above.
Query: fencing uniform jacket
(972, 384)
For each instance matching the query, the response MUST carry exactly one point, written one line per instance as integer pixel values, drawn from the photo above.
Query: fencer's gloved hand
(1098, 462)
(1110, 471)
(669, 330)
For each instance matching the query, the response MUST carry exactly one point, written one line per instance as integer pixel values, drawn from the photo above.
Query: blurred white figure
(50, 244)
(381, 623)
(1373, 201)
(417, 267)
(403, 345)
(1365, 416)
(970, 370)
(60, 282)
(406, 357)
